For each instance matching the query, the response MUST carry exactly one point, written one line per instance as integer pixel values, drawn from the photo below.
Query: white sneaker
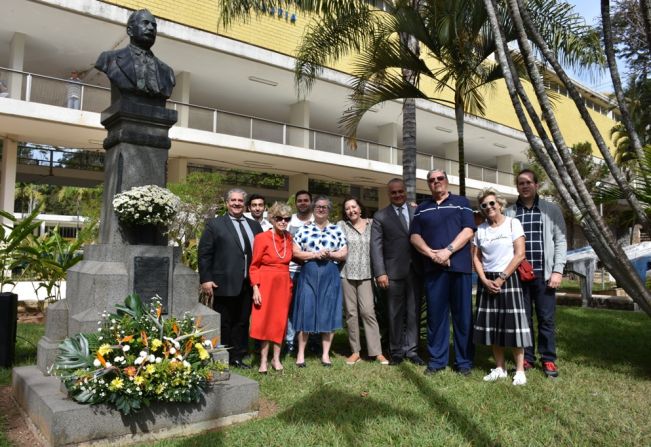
(519, 378)
(497, 373)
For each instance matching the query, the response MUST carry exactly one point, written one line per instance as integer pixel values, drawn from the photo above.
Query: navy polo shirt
(439, 224)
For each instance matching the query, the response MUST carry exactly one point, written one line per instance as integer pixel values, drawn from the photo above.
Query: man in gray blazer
(225, 251)
(395, 270)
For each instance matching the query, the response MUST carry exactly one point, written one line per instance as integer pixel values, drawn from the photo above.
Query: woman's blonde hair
(490, 192)
(279, 209)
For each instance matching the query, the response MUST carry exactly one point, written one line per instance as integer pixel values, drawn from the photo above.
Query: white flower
(143, 353)
(138, 361)
(158, 359)
(97, 363)
(186, 364)
(208, 344)
(126, 348)
(152, 358)
(172, 351)
(108, 364)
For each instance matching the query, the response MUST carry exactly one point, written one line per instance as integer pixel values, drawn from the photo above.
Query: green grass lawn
(602, 397)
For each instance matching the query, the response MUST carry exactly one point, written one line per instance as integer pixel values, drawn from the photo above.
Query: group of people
(290, 283)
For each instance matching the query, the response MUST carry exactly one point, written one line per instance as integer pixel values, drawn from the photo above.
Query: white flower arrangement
(149, 204)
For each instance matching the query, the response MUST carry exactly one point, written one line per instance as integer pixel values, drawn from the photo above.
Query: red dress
(270, 271)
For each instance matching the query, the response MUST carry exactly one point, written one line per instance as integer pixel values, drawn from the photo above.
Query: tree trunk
(459, 118)
(564, 173)
(409, 127)
(645, 7)
(516, 8)
(634, 139)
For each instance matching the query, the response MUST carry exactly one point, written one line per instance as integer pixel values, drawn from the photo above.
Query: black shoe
(464, 371)
(432, 371)
(416, 360)
(239, 364)
(326, 364)
(289, 349)
(396, 361)
(301, 365)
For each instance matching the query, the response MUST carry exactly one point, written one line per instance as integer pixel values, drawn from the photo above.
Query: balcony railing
(54, 91)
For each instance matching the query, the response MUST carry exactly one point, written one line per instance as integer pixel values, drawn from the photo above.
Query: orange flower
(127, 339)
(175, 328)
(101, 359)
(130, 371)
(143, 337)
(159, 311)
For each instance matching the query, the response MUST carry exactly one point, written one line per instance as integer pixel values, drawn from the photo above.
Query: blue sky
(591, 10)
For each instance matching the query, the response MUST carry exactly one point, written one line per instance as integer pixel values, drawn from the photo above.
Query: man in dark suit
(134, 70)
(225, 251)
(395, 270)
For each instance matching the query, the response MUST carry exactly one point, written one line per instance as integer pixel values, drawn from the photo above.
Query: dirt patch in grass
(13, 423)
(267, 409)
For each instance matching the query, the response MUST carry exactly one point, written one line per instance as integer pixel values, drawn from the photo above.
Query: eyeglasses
(440, 178)
(487, 204)
(283, 219)
(321, 207)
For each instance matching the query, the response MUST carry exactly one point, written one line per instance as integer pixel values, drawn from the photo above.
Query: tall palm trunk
(409, 126)
(459, 118)
(634, 139)
(529, 31)
(645, 7)
(564, 175)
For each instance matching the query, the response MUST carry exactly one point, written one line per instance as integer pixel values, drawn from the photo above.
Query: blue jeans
(537, 294)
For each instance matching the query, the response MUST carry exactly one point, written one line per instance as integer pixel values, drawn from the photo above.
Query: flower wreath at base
(137, 357)
(146, 205)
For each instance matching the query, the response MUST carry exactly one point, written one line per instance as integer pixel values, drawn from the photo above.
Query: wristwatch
(450, 248)
(503, 276)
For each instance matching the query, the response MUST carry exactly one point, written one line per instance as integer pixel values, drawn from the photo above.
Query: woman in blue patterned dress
(317, 306)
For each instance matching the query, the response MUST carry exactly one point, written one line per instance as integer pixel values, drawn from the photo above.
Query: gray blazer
(391, 252)
(554, 242)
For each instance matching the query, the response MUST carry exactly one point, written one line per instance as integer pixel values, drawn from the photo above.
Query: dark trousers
(449, 293)
(537, 294)
(234, 312)
(403, 309)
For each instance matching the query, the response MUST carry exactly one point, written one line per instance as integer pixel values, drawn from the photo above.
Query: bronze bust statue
(134, 71)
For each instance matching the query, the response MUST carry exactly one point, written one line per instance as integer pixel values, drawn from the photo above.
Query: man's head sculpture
(141, 29)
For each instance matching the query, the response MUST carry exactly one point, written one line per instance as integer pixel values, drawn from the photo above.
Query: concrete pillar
(177, 169)
(298, 182)
(16, 61)
(8, 180)
(505, 164)
(452, 157)
(388, 136)
(181, 93)
(299, 115)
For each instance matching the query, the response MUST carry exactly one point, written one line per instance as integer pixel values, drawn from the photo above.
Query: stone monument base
(61, 421)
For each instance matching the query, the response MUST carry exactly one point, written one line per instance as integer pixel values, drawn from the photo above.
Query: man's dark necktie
(403, 219)
(245, 238)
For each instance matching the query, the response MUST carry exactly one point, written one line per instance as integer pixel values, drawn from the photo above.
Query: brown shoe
(382, 360)
(353, 359)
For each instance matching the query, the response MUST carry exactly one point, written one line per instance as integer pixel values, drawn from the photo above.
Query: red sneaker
(549, 368)
(528, 365)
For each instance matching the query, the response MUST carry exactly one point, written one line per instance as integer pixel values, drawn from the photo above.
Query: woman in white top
(498, 249)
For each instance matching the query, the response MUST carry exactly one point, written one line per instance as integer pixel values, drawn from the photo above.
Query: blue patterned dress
(317, 304)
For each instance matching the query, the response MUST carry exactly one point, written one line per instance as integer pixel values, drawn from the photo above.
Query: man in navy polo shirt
(441, 231)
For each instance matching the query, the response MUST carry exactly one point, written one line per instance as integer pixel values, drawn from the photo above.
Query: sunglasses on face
(440, 178)
(282, 219)
(487, 204)
(321, 208)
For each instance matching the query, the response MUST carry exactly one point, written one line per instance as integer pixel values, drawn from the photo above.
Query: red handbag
(525, 269)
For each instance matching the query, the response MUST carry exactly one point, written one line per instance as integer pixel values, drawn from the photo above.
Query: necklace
(273, 239)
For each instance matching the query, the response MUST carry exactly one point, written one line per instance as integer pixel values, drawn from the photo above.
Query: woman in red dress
(272, 287)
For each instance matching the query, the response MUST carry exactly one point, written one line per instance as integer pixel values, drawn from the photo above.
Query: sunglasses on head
(487, 204)
(439, 178)
(284, 219)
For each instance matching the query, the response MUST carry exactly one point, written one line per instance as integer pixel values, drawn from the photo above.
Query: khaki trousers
(358, 302)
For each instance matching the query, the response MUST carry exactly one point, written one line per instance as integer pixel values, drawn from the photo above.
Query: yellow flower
(139, 380)
(104, 349)
(116, 384)
(155, 344)
(160, 388)
(203, 354)
(150, 369)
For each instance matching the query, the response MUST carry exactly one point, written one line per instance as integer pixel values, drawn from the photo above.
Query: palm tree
(460, 40)
(342, 27)
(555, 157)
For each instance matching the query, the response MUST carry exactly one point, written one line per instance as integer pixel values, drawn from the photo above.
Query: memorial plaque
(151, 277)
